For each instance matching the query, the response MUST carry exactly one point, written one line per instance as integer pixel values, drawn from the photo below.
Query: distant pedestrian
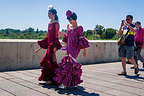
(139, 43)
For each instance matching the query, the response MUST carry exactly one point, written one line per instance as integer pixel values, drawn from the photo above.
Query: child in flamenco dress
(52, 44)
(69, 70)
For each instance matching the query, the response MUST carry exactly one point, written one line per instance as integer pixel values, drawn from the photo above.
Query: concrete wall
(19, 54)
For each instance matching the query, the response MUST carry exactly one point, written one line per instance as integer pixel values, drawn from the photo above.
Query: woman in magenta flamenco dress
(51, 43)
(69, 71)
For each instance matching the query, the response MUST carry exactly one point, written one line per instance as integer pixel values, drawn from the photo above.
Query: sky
(22, 14)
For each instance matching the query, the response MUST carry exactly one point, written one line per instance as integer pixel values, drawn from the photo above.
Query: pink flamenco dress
(69, 70)
(49, 63)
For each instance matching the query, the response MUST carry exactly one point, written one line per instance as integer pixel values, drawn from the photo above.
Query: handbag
(122, 39)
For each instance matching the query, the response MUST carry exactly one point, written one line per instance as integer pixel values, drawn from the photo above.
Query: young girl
(51, 43)
(69, 71)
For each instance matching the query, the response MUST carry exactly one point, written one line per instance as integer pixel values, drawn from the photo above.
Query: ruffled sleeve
(83, 42)
(56, 42)
(43, 43)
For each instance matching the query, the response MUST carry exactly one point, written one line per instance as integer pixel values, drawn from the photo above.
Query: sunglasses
(127, 19)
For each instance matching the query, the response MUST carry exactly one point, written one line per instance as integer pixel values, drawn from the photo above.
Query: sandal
(122, 74)
(62, 86)
(48, 82)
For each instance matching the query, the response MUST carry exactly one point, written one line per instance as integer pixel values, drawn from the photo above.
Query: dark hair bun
(73, 16)
(53, 11)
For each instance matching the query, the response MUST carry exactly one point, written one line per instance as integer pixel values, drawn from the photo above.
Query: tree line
(101, 33)
(98, 33)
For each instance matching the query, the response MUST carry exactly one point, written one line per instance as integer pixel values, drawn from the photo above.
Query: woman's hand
(84, 52)
(61, 34)
(37, 50)
(55, 50)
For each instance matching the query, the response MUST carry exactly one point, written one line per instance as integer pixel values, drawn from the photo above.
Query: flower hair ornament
(50, 7)
(71, 14)
(68, 13)
(52, 10)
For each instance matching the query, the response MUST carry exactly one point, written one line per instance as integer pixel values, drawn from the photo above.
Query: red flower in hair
(68, 13)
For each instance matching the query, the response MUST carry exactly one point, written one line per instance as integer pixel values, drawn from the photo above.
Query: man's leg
(135, 65)
(124, 64)
(130, 56)
(135, 58)
(133, 62)
(139, 56)
(122, 54)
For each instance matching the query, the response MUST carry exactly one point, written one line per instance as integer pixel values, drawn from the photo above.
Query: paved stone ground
(99, 80)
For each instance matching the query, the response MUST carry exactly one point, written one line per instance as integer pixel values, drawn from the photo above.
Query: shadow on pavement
(142, 69)
(70, 90)
(136, 77)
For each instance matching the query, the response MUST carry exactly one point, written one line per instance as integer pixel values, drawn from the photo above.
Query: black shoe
(122, 74)
(132, 67)
(136, 70)
(143, 65)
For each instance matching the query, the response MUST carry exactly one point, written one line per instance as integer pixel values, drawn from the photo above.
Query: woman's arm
(84, 52)
(37, 50)
(62, 34)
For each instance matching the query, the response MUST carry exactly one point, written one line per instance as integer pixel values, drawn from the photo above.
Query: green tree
(64, 30)
(109, 33)
(99, 29)
(37, 31)
(89, 32)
